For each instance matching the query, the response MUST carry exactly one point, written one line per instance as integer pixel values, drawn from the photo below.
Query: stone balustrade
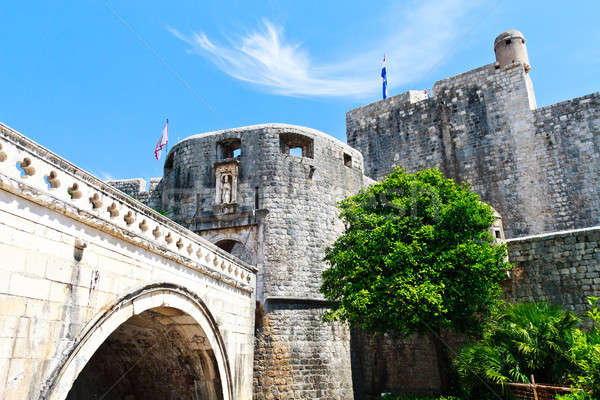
(33, 172)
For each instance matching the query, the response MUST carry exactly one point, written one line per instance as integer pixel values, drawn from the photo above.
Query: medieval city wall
(537, 167)
(296, 354)
(244, 191)
(137, 188)
(560, 267)
(284, 215)
(567, 148)
(480, 128)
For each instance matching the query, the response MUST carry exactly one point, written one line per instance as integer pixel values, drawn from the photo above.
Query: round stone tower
(510, 48)
(267, 194)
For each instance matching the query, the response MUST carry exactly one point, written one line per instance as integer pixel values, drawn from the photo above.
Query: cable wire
(161, 60)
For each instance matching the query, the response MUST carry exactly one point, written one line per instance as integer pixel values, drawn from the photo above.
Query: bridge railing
(29, 170)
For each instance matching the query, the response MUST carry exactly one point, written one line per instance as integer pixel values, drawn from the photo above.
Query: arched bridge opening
(159, 343)
(159, 354)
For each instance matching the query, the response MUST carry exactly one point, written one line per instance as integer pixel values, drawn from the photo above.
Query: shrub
(575, 396)
(408, 397)
(519, 340)
(585, 354)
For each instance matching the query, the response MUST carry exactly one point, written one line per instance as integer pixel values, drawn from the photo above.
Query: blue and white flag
(384, 79)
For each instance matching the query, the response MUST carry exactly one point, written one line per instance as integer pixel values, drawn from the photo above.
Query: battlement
(138, 189)
(536, 166)
(132, 186)
(327, 141)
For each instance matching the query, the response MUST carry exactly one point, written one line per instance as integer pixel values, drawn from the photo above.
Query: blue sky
(94, 80)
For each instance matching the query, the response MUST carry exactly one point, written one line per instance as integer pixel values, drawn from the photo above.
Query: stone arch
(238, 241)
(158, 298)
(236, 248)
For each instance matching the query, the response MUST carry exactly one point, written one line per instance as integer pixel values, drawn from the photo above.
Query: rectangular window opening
(295, 144)
(229, 148)
(347, 160)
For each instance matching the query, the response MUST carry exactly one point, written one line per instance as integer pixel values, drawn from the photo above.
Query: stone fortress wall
(138, 188)
(242, 190)
(268, 193)
(537, 166)
(558, 267)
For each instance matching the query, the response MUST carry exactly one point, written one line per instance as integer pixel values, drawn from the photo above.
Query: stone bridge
(103, 298)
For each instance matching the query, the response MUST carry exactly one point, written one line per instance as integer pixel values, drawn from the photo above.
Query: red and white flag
(164, 139)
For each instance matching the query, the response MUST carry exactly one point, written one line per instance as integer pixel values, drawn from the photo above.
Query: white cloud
(105, 176)
(420, 38)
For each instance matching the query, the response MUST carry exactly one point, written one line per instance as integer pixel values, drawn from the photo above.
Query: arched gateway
(158, 342)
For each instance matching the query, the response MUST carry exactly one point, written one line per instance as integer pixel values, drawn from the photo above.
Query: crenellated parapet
(138, 189)
(537, 166)
(31, 171)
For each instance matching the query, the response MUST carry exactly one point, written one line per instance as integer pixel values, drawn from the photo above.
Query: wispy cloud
(105, 176)
(420, 38)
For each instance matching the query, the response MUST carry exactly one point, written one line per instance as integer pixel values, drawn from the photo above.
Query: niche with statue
(226, 179)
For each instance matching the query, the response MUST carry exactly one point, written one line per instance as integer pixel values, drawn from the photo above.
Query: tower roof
(510, 34)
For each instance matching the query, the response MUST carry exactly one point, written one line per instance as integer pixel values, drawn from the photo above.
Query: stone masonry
(267, 195)
(537, 167)
(136, 188)
(99, 292)
(280, 214)
(559, 267)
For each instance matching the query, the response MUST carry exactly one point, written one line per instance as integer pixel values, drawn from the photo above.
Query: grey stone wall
(480, 128)
(136, 187)
(561, 268)
(284, 216)
(132, 187)
(567, 147)
(408, 365)
(296, 355)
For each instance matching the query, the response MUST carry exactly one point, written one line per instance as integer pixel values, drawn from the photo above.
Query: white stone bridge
(103, 298)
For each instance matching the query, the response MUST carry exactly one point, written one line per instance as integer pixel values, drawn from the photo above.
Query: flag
(384, 79)
(164, 139)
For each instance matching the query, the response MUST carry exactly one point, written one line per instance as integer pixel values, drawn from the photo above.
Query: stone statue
(226, 189)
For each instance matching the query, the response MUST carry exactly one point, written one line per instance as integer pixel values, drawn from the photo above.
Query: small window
(497, 233)
(230, 148)
(508, 41)
(347, 160)
(296, 145)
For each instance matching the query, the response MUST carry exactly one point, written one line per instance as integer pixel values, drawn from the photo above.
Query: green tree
(519, 340)
(416, 257)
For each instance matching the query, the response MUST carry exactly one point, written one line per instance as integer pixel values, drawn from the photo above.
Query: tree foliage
(416, 257)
